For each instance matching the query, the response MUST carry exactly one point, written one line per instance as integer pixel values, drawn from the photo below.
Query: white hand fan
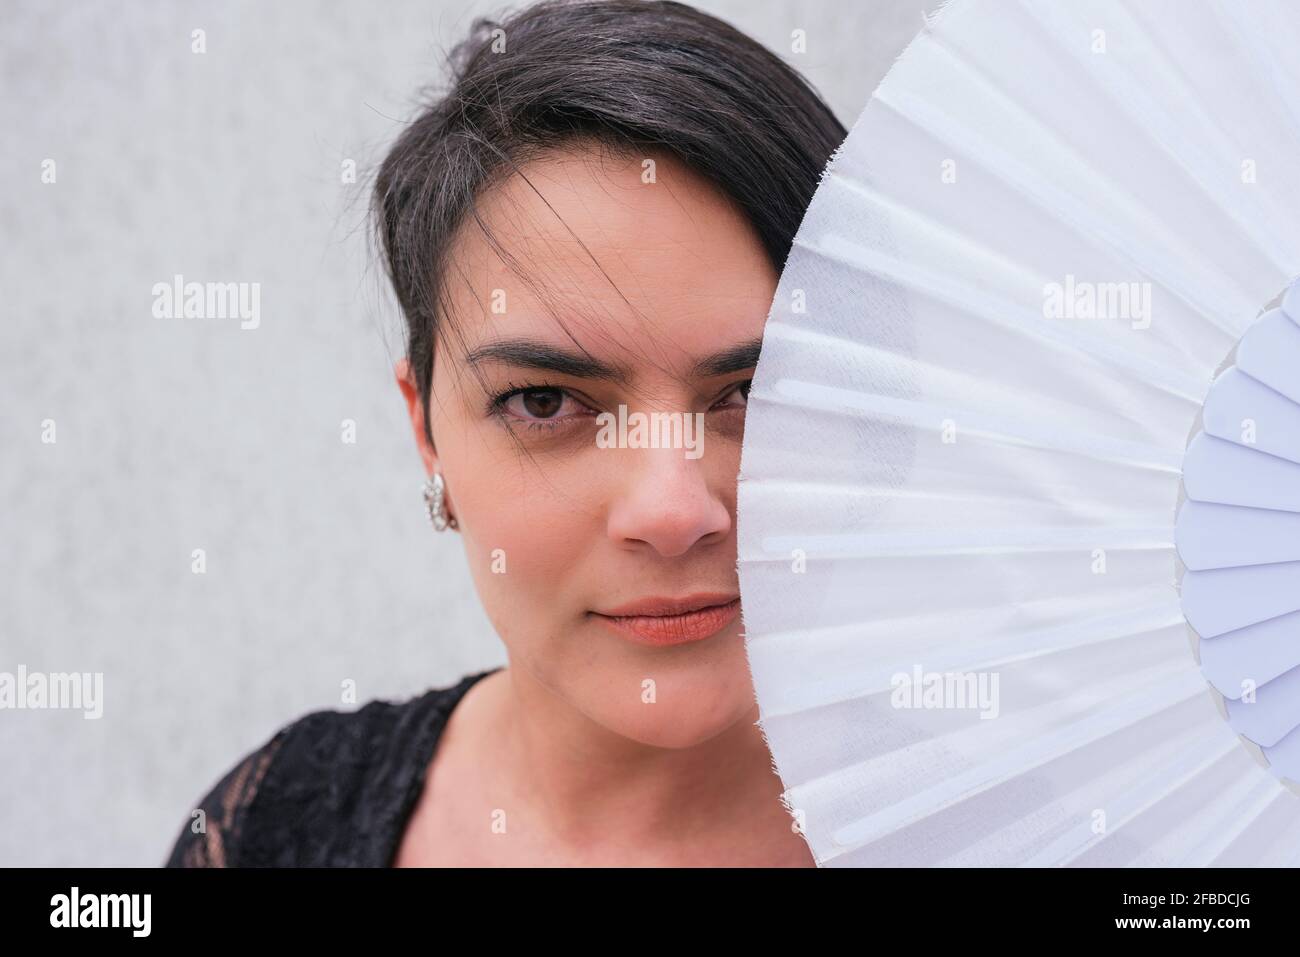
(1019, 504)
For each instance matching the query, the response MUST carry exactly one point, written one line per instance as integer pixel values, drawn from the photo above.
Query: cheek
(530, 540)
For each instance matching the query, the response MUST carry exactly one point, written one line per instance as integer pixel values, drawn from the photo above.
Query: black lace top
(330, 789)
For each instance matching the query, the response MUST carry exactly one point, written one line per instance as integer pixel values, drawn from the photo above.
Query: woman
(588, 228)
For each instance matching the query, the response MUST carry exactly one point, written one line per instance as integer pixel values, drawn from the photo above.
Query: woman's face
(663, 288)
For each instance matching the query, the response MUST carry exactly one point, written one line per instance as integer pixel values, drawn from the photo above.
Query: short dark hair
(635, 75)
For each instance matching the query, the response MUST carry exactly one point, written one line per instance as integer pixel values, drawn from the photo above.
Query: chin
(682, 704)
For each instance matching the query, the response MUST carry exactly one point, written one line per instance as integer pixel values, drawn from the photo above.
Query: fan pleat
(1194, 140)
(1251, 798)
(1188, 825)
(995, 639)
(1162, 255)
(978, 304)
(975, 423)
(1162, 776)
(1077, 802)
(1004, 751)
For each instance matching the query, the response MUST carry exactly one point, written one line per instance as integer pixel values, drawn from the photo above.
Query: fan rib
(1183, 686)
(1001, 429)
(1128, 95)
(1181, 271)
(1147, 792)
(980, 304)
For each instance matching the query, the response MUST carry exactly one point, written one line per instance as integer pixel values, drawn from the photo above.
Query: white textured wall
(180, 434)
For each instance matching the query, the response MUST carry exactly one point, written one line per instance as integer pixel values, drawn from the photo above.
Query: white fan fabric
(962, 476)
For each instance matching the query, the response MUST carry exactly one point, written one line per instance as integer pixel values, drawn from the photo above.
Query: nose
(666, 503)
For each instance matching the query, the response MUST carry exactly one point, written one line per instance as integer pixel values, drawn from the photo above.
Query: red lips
(670, 606)
(672, 621)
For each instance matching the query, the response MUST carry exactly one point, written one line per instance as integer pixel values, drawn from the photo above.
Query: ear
(415, 409)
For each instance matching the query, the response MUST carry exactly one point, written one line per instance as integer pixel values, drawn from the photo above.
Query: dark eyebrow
(532, 354)
(736, 359)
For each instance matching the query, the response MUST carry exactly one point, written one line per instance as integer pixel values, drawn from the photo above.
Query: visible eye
(539, 405)
(737, 398)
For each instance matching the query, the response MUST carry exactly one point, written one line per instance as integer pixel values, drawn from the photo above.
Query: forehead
(618, 247)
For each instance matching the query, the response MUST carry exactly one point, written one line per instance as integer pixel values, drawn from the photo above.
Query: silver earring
(434, 490)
